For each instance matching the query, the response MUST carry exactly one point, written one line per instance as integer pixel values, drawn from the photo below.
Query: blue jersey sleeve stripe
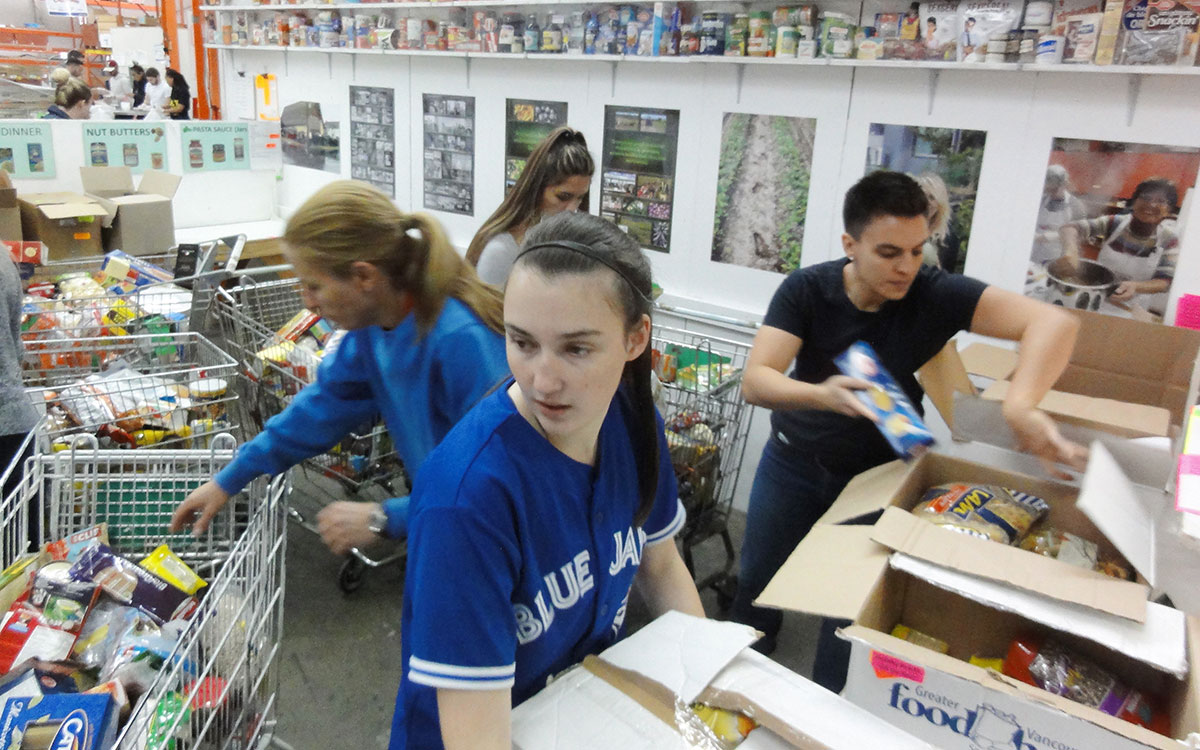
(672, 528)
(438, 681)
(454, 670)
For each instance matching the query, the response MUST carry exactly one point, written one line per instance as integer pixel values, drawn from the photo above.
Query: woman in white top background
(556, 178)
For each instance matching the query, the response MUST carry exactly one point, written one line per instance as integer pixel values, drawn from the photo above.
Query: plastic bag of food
(1073, 549)
(1054, 668)
(986, 511)
(729, 727)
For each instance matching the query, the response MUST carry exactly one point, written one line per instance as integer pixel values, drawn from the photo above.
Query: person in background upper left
(72, 97)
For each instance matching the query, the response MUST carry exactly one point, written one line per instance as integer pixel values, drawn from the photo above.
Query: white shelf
(446, 4)
(721, 60)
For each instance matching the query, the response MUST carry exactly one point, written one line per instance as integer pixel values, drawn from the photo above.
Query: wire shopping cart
(224, 664)
(133, 391)
(707, 422)
(363, 466)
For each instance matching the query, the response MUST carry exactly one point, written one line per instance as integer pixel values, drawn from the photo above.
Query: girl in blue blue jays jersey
(423, 345)
(547, 503)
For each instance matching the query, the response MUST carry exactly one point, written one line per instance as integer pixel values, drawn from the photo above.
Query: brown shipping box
(978, 596)
(1125, 377)
(141, 221)
(10, 215)
(68, 224)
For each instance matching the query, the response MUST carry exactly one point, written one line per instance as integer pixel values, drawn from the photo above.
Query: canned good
(785, 41)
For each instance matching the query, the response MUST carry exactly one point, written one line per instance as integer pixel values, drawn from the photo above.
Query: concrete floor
(340, 662)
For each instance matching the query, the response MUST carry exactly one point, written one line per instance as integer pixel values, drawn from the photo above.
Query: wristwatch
(378, 521)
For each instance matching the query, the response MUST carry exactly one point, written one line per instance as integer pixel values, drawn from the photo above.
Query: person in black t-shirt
(180, 105)
(821, 435)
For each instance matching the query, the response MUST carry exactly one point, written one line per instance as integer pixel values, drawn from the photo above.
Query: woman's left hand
(1037, 433)
(1124, 292)
(344, 526)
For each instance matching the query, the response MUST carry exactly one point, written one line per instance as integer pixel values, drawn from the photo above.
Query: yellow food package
(165, 564)
(917, 638)
(728, 726)
(996, 665)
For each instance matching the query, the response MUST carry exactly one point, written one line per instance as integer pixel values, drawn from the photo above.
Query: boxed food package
(951, 592)
(981, 20)
(141, 221)
(68, 224)
(637, 695)
(1110, 32)
(836, 35)
(1082, 37)
(1175, 20)
(896, 417)
(76, 721)
(940, 27)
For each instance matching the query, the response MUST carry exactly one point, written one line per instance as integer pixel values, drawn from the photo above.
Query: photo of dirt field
(762, 191)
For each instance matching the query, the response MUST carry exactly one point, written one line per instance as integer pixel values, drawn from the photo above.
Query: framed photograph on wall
(449, 153)
(637, 179)
(762, 190)
(526, 124)
(1107, 236)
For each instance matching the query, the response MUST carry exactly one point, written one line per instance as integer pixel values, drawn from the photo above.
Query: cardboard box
(68, 223)
(977, 596)
(141, 221)
(627, 697)
(896, 488)
(1125, 378)
(948, 702)
(80, 722)
(10, 215)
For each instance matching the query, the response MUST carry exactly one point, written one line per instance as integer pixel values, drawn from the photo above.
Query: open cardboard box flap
(106, 182)
(1118, 417)
(157, 182)
(868, 492)
(831, 573)
(902, 531)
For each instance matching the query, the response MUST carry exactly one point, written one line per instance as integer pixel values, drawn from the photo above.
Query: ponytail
(347, 221)
(446, 274)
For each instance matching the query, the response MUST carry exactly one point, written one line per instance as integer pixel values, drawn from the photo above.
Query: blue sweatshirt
(421, 385)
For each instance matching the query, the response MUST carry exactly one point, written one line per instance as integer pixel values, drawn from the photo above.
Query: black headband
(590, 252)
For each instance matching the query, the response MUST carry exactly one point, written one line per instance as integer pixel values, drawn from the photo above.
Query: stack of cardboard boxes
(1125, 392)
(110, 215)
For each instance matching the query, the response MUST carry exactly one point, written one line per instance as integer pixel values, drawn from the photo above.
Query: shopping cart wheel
(726, 589)
(351, 576)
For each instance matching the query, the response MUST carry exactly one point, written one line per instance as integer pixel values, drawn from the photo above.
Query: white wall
(1021, 111)
(233, 196)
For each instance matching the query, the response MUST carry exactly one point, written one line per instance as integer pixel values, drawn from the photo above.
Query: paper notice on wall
(266, 97)
(266, 153)
(239, 97)
(67, 7)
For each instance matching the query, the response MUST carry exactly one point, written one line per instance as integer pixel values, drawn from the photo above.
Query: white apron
(1128, 267)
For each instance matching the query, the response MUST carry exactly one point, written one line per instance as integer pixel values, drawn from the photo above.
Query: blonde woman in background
(556, 178)
(424, 342)
(72, 97)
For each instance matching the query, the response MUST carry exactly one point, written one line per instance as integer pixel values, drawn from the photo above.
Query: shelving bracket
(1135, 91)
(612, 79)
(741, 74)
(934, 77)
(468, 71)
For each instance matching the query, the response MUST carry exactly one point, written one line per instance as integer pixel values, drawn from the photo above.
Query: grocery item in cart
(917, 638)
(986, 511)
(896, 417)
(1051, 666)
(27, 634)
(131, 584)
(69, 548)
(77, 721)
(171, 568)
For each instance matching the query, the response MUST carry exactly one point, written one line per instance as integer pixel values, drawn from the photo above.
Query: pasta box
(635, 696)
(63, 720)
(956, 703)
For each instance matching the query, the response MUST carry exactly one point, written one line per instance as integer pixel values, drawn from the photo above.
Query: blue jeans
(791, 491)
